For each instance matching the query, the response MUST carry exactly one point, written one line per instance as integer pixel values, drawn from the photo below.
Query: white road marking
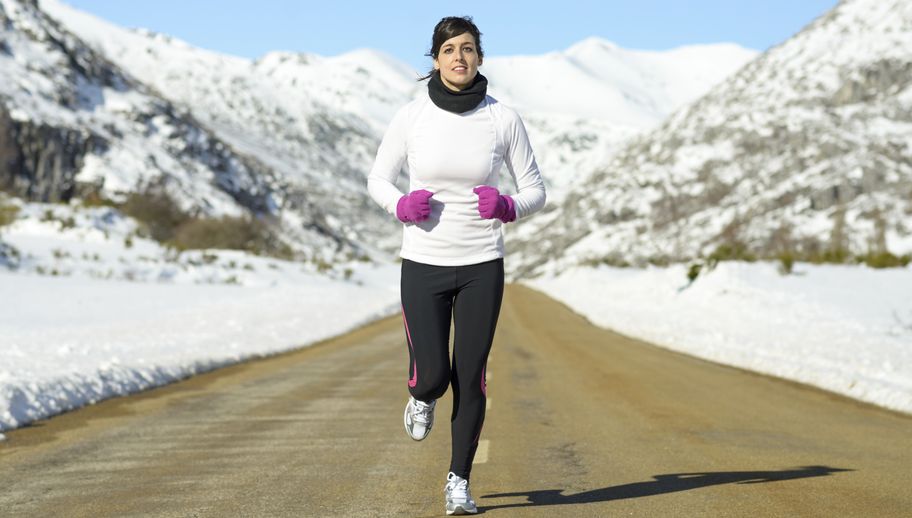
(481, 454)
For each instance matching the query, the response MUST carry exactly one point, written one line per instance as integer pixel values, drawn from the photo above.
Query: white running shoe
(458, 498)
(419, 418)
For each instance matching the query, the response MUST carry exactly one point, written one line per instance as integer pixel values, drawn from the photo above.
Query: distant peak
(594, 43)
(364, 52)
(152, 35)
(281, 57)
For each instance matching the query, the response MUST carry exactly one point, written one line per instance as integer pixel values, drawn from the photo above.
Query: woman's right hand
(414, 206)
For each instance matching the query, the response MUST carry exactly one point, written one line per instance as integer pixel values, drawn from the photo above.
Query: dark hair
(450, 27)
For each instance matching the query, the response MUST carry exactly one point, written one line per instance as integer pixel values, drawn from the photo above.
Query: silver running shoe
(419, 418)
(458, 498)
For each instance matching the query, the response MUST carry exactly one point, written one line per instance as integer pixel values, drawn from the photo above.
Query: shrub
(156, 211)
(786, 262)
(94, 199)
(659, 260)
(836, 255)
(885, 260)
(8, 213)
(693, 272)
(614, 260)
(237, 233)
(731, 251)
(322, 266)
(167, 223)
(67, 223)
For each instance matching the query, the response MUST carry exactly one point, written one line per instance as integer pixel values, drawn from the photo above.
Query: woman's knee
(431, 387)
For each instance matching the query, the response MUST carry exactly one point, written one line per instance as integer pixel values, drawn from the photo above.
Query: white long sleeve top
(450, 154)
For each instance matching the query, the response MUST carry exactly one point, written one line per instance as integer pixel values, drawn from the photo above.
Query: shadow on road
(659, 485)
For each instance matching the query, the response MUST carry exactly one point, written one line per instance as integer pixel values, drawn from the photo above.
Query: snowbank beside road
(847, 329)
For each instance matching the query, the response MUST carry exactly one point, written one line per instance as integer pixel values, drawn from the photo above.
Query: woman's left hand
(492, 204)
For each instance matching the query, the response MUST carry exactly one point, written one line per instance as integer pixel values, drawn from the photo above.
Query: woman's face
(458, 61)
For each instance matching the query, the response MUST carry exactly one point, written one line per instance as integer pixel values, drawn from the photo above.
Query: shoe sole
(460, 510)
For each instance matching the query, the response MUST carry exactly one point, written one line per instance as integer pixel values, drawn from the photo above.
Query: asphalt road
(581, 422)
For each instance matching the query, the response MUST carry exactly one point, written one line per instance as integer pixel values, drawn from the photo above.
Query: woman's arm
(530, 196)
(391, 155)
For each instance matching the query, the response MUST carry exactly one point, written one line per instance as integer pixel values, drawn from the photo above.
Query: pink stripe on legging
(484, 390)
(414, 381)
(484, 386)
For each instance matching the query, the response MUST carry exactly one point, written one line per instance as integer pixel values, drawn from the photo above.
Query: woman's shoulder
(409, 110)
(503, 112)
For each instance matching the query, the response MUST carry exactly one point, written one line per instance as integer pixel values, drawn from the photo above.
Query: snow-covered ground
(69, 341)
(93, 310)
(847, 329)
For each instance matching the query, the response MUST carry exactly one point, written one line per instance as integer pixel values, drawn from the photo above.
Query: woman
(453, 141)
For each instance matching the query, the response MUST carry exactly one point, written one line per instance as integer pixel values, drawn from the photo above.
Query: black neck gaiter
(461, 101)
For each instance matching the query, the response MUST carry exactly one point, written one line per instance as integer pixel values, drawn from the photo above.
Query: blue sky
(404, 29)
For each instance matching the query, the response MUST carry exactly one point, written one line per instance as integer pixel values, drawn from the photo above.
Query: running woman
(453, 142)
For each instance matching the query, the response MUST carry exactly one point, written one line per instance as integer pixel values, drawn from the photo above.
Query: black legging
(472, 295)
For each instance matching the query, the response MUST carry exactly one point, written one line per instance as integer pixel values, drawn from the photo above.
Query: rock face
(72, 122)
(40, 161)
(804, 150)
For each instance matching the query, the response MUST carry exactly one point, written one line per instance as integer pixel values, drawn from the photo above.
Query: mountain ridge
(304, 123)
(804, 152)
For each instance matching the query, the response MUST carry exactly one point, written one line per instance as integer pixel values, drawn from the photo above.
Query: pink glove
(492, 204)
(414, 206)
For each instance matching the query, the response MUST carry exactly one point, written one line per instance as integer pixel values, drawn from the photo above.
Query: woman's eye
(468, 49)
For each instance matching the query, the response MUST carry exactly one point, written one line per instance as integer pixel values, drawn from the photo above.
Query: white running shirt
(450, 154)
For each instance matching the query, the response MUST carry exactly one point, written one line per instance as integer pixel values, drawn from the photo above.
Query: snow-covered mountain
(597, 79)
(305, 117)
(803, 151)
(290, 135)
(317, 112)
(581, 103)
(73, 123)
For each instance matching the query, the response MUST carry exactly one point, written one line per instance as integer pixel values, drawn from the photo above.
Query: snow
(71, 341)
(95, 310)
(597, 79)
(846, 329)
(75, 340)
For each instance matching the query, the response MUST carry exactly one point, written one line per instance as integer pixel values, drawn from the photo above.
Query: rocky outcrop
(39, 162)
